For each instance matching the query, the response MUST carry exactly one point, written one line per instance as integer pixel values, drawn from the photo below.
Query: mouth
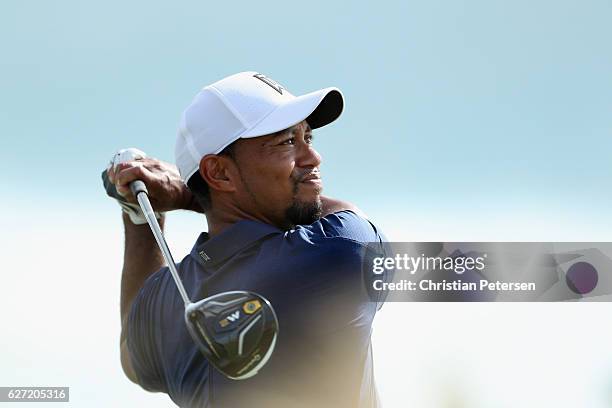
(312, 179)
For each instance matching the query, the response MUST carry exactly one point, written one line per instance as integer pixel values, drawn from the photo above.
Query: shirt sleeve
(349, 225)
(141, 337)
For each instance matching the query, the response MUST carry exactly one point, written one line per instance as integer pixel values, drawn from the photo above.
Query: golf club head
(236, 331)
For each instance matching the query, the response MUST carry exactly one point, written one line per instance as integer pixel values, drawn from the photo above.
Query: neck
(219, 219)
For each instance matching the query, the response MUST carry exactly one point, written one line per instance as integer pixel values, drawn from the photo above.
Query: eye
(288, 141)
(308, 138)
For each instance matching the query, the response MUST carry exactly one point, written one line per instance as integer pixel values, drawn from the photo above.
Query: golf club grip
(138, 186)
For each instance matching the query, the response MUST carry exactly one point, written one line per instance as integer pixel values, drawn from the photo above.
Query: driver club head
(236, 331)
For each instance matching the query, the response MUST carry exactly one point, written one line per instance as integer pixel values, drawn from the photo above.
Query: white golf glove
(132, 210)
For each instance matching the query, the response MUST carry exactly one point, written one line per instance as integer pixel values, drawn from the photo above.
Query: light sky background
(475, 120)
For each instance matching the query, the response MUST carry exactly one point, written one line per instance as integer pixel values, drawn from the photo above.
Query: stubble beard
(303, 212)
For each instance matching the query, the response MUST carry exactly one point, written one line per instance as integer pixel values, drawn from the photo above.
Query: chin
(304, 212)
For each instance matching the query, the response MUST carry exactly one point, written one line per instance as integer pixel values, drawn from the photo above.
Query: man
(245, 151)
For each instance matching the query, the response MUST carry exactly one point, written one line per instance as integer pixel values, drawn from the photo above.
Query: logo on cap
(275, 85)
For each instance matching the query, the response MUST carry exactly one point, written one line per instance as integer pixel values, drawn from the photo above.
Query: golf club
(236, 331)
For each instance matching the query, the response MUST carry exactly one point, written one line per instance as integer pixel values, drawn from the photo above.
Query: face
(279, 179)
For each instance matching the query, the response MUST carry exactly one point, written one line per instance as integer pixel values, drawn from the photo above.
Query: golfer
(245, 158)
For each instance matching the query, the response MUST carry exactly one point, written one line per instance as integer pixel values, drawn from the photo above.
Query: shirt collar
(209, 251)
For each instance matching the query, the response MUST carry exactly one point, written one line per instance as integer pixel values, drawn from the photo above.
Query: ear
(219, 172)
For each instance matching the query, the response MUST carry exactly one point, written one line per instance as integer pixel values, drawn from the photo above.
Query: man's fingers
(111, 172)
(125, 173)
(166, 190)
(125, 191)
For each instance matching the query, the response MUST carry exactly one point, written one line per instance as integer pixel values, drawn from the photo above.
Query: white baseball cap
(246, 105)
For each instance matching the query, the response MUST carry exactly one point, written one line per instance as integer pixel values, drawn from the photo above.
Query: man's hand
(166, 190)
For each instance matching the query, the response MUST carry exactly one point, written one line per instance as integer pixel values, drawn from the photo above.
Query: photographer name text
(459, 265)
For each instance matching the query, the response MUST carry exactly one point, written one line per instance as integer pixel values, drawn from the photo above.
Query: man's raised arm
(142, 256)
(331, 205)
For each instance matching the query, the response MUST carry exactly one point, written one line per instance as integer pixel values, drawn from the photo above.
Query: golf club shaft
(140, 191)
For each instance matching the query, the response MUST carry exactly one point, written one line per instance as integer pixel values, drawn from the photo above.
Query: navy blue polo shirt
(312, 277)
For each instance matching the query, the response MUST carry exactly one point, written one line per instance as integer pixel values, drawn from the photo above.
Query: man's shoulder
(345, 224)
(158, 292)
(163, 285)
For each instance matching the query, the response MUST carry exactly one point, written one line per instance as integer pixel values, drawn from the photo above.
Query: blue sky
(505, 104)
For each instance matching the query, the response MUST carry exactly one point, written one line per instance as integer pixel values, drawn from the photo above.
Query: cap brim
(318, 108)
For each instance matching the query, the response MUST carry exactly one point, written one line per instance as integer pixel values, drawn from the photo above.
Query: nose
(307, 156)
